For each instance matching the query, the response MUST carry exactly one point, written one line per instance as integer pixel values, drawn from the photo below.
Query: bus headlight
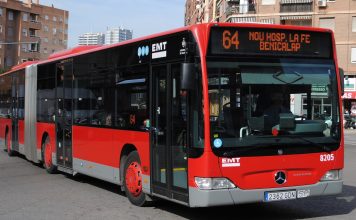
(213, 183)
(331, 175)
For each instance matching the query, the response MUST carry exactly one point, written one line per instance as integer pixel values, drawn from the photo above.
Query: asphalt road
(28, 192)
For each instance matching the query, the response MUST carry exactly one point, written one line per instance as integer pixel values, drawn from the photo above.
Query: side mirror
(187, 76)
(342, 84)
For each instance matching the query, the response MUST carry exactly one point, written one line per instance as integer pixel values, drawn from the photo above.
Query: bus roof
(80, 50)
(72, 51)
(194, 28)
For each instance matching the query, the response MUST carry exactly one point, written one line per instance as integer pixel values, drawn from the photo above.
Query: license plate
(280, 195)
(303, 193)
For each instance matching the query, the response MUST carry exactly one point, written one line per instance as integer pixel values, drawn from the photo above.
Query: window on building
(32, 32)
(45, 50)
(45, 28)
(354, 24)
(353, 55)
(24, 32)
(0, 28)
(0, 11)
(10, 16)
(10, 31)
(54, 31)
(46, 17)
(60, 19)
(54, 18)
(24, 47)
(268, 2)
(327, 23)
(33, 17)
(45, 39)
(9, 61)
(25, 17)
(33, 47)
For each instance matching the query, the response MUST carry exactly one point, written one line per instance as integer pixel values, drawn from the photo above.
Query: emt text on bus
(205, 115)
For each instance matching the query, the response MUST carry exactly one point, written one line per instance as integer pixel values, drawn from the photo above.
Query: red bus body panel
(259, 172)
(21, 132)
(5, 122)
(104, 146)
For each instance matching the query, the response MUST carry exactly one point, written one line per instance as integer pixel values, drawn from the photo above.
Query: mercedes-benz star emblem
(280, 177)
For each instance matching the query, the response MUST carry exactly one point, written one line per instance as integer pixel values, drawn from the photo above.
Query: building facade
(30, 31)
(92, 39)
(116, 35)
(337, 15)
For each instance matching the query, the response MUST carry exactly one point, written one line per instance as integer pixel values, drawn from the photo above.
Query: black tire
(10, 152)
(50, 168)
(138, 200)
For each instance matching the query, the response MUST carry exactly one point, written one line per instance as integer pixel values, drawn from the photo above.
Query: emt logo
(230, 162)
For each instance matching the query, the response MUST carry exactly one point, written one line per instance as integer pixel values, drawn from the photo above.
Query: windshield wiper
(278, 75)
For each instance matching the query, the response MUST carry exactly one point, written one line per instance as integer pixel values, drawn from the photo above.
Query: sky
(144, 17)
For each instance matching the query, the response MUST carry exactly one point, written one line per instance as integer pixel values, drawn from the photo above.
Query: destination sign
(272, 42)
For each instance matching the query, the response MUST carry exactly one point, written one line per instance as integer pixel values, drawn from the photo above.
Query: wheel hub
(134, 179)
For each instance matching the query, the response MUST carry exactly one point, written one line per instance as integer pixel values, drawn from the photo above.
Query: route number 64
(327, 157)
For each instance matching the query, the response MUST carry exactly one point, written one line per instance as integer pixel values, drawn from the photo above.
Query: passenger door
(169, 133)
(64, 79)
(15, 113)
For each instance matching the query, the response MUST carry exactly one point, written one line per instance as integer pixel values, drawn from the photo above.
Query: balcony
(35, 25)
(291, 6)
(241, 9)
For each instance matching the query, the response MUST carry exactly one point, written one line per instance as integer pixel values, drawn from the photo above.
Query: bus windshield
(274, 104)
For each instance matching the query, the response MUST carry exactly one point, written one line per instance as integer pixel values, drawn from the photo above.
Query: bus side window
(132, 97)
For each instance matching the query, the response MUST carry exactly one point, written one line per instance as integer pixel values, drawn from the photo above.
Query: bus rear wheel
(133, 180)
(7, 144)
(47, 156)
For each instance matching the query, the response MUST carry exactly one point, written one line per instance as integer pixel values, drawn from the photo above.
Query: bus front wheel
(133, 180)
(47, 156)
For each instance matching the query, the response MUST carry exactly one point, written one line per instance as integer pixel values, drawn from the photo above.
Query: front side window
(280, 104)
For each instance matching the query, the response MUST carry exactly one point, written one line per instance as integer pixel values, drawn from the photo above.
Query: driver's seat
(232, 118)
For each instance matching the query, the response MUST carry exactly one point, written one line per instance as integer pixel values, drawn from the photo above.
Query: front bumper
(206, 198)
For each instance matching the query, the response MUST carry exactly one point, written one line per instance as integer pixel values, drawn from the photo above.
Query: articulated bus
(205, 115)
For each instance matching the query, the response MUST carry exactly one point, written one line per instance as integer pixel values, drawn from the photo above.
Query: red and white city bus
(205, 115)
